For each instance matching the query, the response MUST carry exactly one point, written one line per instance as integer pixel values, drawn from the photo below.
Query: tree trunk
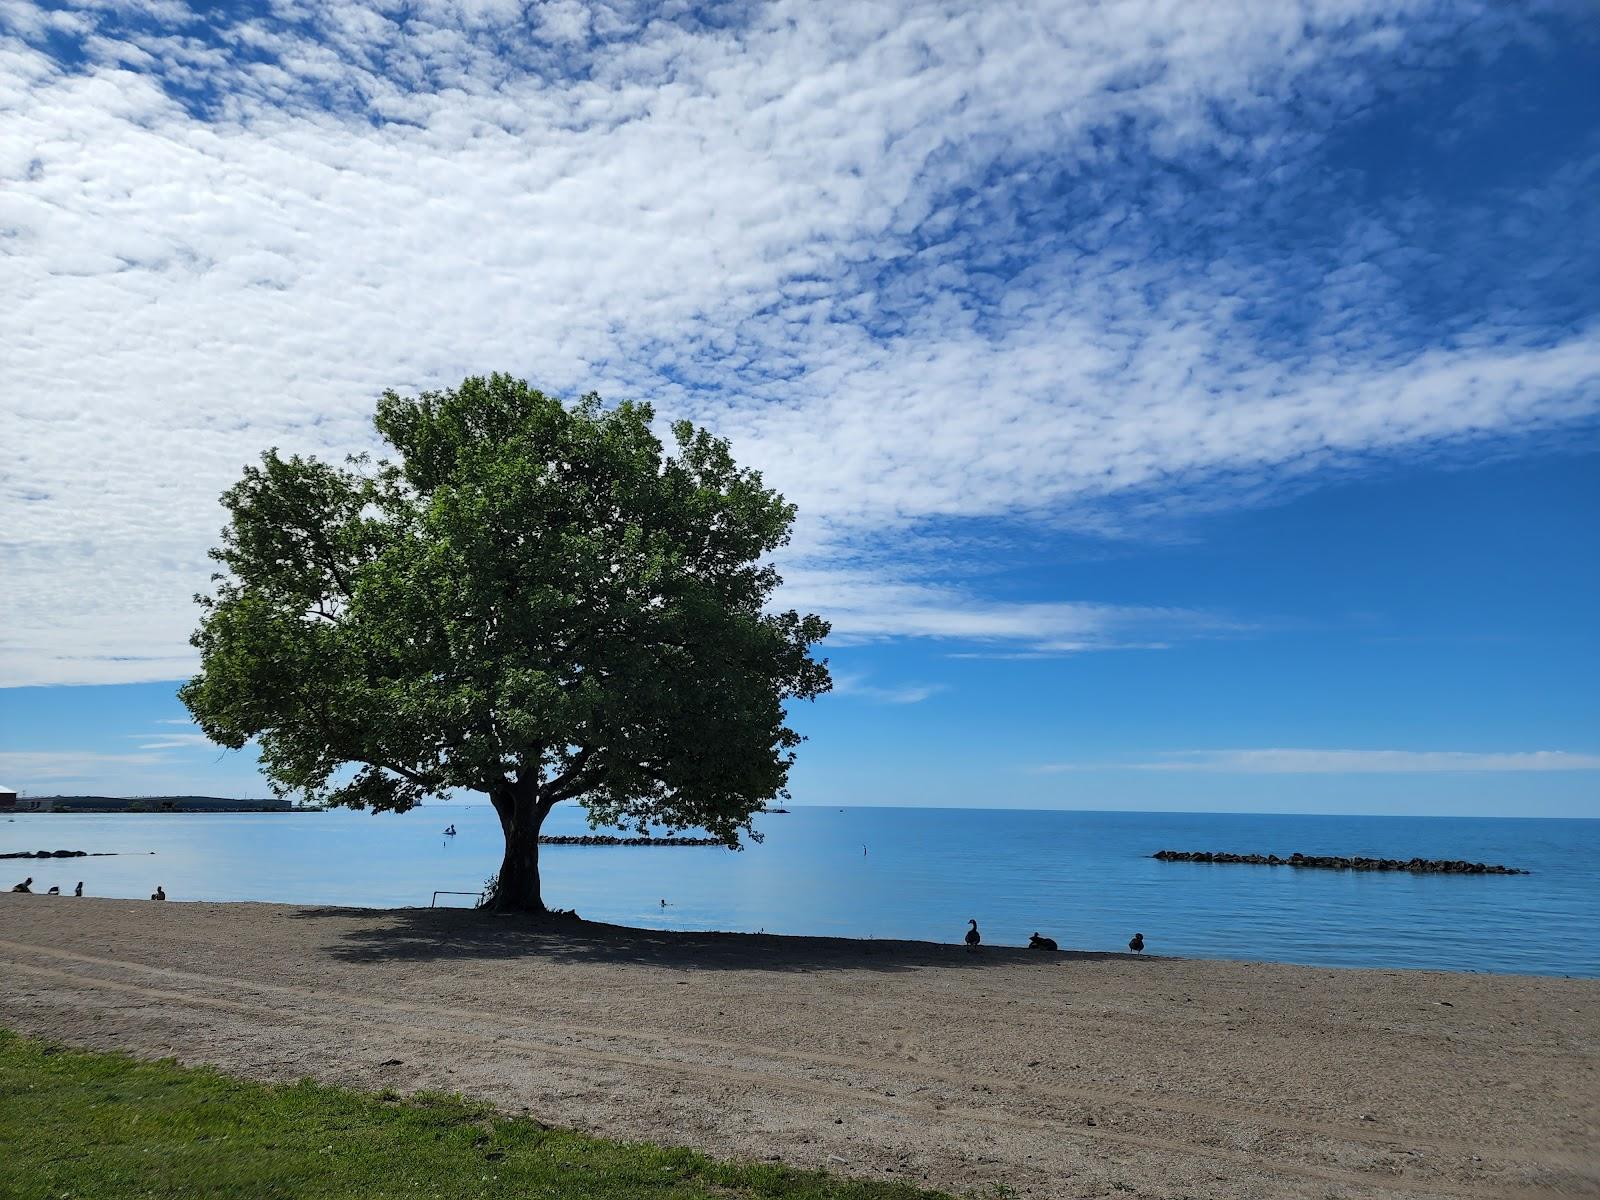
(522, 815)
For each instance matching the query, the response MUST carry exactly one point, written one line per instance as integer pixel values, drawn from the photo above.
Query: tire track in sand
(1371, 1135)
(726, 1076)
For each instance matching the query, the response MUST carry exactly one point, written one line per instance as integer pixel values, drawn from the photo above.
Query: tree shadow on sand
(423, 934)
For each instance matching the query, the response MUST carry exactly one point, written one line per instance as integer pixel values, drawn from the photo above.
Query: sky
(1188, 406)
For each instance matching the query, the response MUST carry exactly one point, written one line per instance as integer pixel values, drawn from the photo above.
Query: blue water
(1084, 878)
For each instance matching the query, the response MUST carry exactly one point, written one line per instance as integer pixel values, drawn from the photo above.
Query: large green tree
(532, 600)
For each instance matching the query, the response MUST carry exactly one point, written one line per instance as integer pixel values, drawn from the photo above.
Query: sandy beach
(1051, 1075)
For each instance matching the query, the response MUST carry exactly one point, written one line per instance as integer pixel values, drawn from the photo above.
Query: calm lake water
(1084, 878)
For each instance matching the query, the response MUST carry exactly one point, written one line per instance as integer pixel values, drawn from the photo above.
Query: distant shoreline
(29, 805)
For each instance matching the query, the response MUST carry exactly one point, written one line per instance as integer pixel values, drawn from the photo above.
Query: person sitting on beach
(1042, 943)
(973, 936)
(25, 886)
(1137, 943)
(78, 891)
(55, 891)
(159, 894)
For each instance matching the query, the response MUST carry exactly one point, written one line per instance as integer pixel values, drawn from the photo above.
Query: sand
(1047, 1074)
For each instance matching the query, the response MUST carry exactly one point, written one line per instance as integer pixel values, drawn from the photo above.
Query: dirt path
(1054, 1075)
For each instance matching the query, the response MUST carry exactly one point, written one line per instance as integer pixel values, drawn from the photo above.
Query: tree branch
(403, 772)
(327, 728)
(321, 610)
(564, 786)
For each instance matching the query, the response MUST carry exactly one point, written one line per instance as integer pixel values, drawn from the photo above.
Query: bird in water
(55, 891)
(159, 894)
(1042, 943)
(1136, 943)
(973, 936)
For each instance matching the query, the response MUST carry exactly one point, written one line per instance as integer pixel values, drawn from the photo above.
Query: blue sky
(1188, 406)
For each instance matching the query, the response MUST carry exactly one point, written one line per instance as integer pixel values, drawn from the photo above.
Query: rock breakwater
(602, 839)
(60, 854)
(1337, 862)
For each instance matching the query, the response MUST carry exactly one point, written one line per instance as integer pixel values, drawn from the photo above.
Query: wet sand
(1051, 1074)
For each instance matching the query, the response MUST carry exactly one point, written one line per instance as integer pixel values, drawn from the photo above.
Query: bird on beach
(1042, 943)
(25, 886)
(159, 894)
(55, 891)
(78, 891)
(973, 936)
(1136, 943)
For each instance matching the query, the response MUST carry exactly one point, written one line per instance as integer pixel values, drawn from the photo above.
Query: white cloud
(1059, 649)
(1347, 762)
(767, 227)
(867, 605)
(58, 766)
(176, 741)
(52, 767)
(907, 693)
(163, 761)
(864, 606)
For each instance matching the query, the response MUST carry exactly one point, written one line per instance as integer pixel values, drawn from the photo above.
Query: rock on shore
(1336, 862)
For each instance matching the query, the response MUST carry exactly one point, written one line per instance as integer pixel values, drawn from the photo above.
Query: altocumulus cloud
(924, 263)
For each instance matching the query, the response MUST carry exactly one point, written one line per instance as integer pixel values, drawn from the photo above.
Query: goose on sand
(973, 936)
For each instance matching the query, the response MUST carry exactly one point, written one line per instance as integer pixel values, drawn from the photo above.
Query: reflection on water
(1083, 878)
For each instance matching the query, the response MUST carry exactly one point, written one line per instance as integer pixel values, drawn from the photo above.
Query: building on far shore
(11, 802)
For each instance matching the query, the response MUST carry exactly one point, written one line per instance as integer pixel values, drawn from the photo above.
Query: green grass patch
(104, 1126)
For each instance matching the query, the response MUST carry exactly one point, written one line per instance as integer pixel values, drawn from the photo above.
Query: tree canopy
(531, 599)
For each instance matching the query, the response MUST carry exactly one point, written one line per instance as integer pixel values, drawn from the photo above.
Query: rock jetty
(59, 854)
(603, 839)
(1337, 862)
